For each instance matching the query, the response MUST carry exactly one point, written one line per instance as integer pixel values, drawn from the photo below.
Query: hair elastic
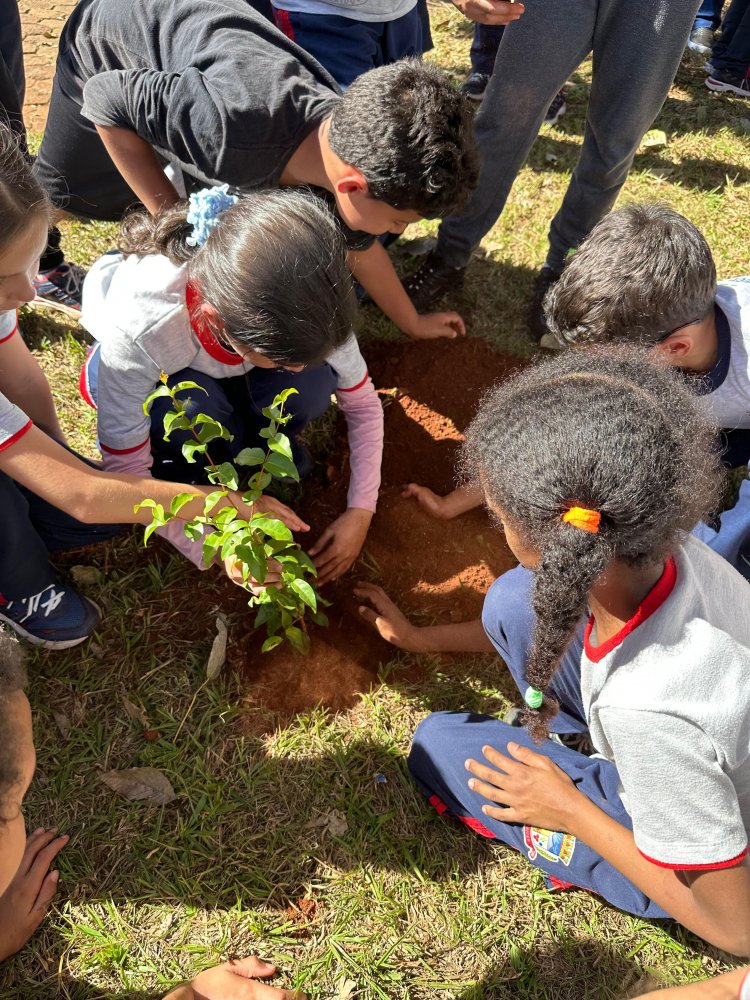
(583, 518)
(533, 697)
(206, 206)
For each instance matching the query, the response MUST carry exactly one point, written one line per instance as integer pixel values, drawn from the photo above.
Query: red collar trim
(203, 331)
(651, 602)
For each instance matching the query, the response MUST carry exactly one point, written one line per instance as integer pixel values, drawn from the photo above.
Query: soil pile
(437, 571)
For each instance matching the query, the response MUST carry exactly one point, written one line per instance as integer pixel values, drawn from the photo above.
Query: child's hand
(389, 621)
(457, 502)
(340, 544)
(235, 981)
(27, 898)
(490, 11)
(270, 507)
(531, 787)
(430, 326)
(234, 571)
(431, 503)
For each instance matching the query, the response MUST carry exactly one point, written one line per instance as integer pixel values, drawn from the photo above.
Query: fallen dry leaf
(140, 784)
(333, 822)
(135, 711)
(86, 576)
(63, 723)
(344, 989)
(218, 655)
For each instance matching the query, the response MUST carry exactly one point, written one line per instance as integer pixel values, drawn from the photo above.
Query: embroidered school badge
(549, 844)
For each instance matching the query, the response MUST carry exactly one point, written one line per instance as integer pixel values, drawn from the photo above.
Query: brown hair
(22, 199)
(642, 272)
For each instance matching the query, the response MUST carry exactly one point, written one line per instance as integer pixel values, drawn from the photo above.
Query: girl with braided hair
(618, 622)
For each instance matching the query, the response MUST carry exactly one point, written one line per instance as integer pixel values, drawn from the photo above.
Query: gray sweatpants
(636, 45)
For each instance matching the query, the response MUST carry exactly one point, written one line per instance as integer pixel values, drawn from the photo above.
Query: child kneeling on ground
(51, 499)
(617, 622)
(250, 297)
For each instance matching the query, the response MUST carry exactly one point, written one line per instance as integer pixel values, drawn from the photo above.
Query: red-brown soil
(436, 570)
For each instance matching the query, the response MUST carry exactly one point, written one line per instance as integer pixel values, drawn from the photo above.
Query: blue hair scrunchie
(205, 208)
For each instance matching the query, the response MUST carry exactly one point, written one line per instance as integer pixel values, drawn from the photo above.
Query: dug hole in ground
(437, 571)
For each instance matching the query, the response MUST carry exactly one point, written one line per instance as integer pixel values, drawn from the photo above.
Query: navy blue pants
(237, 404)
(709, 15)
(34, 528)
(444, 741)
(349, 48)
(731, 54)
(484, 45)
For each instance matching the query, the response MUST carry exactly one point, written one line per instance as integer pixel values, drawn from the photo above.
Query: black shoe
(728, 83)
(475, 85)
(431, 281)
(556, 110)
(536, 322)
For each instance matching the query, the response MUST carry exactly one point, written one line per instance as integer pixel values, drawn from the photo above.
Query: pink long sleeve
(364, 421)
(137, 462)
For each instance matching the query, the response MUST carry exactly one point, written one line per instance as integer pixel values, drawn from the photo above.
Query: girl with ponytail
(618, 623)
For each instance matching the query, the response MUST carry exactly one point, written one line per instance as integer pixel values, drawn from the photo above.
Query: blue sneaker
(54, 618)
(61, 289)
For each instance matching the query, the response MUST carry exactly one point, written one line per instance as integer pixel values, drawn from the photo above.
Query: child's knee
(508, 600)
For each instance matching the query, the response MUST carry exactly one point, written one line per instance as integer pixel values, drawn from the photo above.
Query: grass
(399, 904)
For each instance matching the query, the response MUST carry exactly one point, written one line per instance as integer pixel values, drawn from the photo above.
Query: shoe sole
(719, 87)
(35, 640)
(58, 306)
(702, 49)
(476, 98)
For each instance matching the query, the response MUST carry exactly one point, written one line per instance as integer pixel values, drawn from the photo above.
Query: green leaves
(306, 592)
(272, 527)
(251, 456)
(222, 529)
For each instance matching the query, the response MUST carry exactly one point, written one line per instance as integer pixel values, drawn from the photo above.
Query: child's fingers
(491, 792)
(378, 598)
(45, 856)
(35, 842)
(291, 519)
(488, 774)
(46, 894)
(321, 543)
(370, 616)
(251, 967)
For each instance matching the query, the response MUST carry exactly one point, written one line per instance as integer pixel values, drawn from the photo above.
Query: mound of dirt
(437, 571)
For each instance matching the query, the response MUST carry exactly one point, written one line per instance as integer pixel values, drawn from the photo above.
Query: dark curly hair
(607, 429)
(274, 268)
(12, 679)
(411, 134)
(643, 271)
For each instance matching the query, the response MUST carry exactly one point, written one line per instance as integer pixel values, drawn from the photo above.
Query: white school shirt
(13, 421)
(668, 702)
(728, 382)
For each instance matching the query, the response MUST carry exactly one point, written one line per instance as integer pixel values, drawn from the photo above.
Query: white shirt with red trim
(13, 421)
(137, 308)
(668, 702)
